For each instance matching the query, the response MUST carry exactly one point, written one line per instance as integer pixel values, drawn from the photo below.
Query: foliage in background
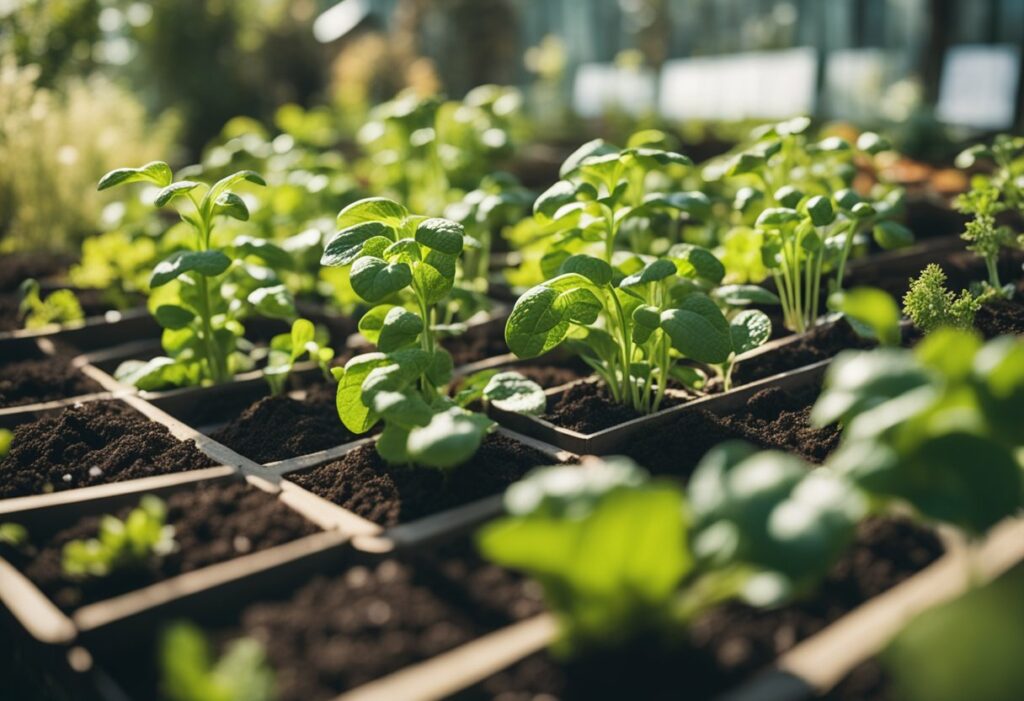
(55, 145)
(189, 671)
(59, 307)
(134, 543)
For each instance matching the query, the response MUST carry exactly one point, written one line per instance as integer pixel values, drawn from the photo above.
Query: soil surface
(92, 443)
(588, 407)
(363, 483)
(728, 644)
(477, 343)
(15, 268)
(867, 681)
(29, 377)
(278, 428)
(820, 343)
(1001, 316)
(772, 418)
(214, 523)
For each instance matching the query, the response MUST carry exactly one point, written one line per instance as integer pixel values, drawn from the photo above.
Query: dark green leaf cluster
(937, 428)
(189, 672)
(122, 545)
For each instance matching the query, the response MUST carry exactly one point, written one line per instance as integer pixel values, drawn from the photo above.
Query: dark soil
(1002, 317)
(15, 268)
(92, 443)
(363, 483)
(477, 343)
(588, 407)
(554, 374)
(820, 343)
(865, 682)
(32, 377)
(772, 418)
(212, 524)
(278, 428)
(336, 633)
(730, 643)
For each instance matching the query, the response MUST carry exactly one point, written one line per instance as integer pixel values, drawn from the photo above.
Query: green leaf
(820, 210)
(379, 210)
(698, 330)
(271, 254)
(554, 198)
(741, 295)
(206, 263)
(231, 205)
(173, 316)
(373, 279)
(347, 245)
(173, 190)
(435, 276)
(400, 328)
(651, 157)
(646, 320)
(441, 235)
(541, 318)
(156, 172)
(872, 143)
(510, 391)
(873, 308)
(656, 270)
(788, 196)
(372, 322)
(406, 409)
(439, 369)
(451, 438)
(890, 235)
(274, 302)
(594, 269)
(777, 217)
(696, 261)
(358, 417)
(749, 329)
(591, 149)
(221, 186)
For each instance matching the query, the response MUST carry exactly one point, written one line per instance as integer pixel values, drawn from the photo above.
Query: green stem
(993, 271)
(847, 247)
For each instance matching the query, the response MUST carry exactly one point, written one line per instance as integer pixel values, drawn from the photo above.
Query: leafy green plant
(632, 316)
(872, 313)
(608, 546)
(13, 535)
(195, 299)
(134, 543)
(405, 265)
(287, 348)
(931, 305)
(937, 428)
(6, 438)
(59, 307)
(188, 671)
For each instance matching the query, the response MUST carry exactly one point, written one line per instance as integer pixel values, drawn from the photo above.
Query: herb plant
(405, 265)
(931, 305)
(189, 672)
(632, 316)
(199, 307)
(287, 348)
(937, 428)
(134, 543)
(59, 307)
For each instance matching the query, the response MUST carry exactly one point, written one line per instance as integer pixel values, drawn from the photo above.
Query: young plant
(59, 307)
(199, 308)
(632, 316)
(188, 671)
(937, 428)
(405, 265)
(931, 305)
(872, 313)
(135, 543)
(287, 348)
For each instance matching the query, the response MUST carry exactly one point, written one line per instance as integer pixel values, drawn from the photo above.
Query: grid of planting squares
(639, 475)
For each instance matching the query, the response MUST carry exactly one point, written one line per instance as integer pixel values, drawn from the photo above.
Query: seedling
(937, 428)
(931, 305)
(59, 307)
(188, 671)
(199, 309)
(287, 348)
(135, 543)
(632, 317)
(871, 312)
(13, 535)
(404, 264)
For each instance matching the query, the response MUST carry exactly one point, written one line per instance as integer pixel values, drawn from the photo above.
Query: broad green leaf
(400, 328)
(372, 209)
(272, 254)
(776, 217)
(541, 318)
(435, 276)
(591, 149)
(347, 245)
(594, 269)
(656, 270)
(231, 205)
(440, 235)
(156, 172)
(173, 316)
(819, 208)
(206, 263)
(741, 295)
(406, 409)
(698, 330)
(173, 190)
(372, 322)
(873, 308)
(357, 417)
(696, 261)
(275, 302)
(393, 445)
(451, 438)
(374, 279)
(510, 391)
(890, 235)
(439, 369)
(788, 196)
(645, 320)
(554, 198)
(749, 329)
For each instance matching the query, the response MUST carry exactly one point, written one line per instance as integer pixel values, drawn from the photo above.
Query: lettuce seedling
(202, 324)
(632, 316)
(287, 348)
(610, 549)
(134, 543)
(937, 428)
(188, 671)
(59, 307)
(405, 265)
(930, 305)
